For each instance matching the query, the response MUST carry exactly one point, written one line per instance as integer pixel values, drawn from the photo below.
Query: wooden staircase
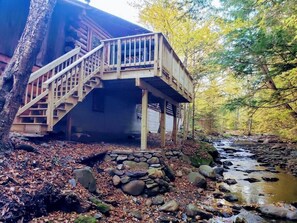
(56, 88)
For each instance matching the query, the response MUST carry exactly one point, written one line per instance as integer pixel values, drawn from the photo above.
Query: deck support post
(174, 130)
(144, 108)
(68, 126)
(163, 123)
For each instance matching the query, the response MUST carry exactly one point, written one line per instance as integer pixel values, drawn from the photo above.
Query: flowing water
(245, 166)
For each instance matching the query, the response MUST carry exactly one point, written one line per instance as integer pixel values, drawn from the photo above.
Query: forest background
(243, 58)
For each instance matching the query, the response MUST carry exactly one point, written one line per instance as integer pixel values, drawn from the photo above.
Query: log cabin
(96, 74)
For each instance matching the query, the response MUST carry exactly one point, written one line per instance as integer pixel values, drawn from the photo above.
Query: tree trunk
(273, 87)
(14, 80)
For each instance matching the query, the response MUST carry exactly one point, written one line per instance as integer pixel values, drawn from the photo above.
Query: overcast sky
(120, 8)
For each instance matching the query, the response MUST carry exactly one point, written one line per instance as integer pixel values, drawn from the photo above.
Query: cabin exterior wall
(118, 119)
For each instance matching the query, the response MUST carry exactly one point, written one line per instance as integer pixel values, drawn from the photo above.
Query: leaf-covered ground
(23, 175)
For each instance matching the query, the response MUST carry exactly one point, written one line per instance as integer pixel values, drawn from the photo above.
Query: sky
(120, 8)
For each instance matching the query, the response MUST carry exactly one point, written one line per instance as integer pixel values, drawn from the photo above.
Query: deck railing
(147, 51)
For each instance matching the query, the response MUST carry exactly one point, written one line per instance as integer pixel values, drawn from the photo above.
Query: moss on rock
(100, 205)
(85, 219)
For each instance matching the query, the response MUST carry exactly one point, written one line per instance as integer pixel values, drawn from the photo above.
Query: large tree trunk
(14, 80)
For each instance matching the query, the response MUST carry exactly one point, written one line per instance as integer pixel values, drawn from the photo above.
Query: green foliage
(243, 57)
(85, 219)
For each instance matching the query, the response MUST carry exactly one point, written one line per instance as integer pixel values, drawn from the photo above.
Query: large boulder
(285, 211)
(207, 171)
(85, 177)
(134, 187)
(197, 179)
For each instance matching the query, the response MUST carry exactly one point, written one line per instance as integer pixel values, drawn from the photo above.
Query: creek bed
(245, 166)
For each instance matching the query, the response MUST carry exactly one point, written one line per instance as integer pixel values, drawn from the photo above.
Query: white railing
(34, 91)
(150, 50)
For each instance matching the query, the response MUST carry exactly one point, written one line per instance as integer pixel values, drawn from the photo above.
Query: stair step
(35, 116)
(38, 109)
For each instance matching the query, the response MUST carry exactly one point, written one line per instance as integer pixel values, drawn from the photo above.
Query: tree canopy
(242, 55)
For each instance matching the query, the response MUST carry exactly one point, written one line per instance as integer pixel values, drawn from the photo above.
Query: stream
(244, 165)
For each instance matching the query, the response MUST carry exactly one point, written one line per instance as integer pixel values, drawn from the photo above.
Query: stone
(284, 211)
(170, 206)
(72, 182)
(120, 167)
(116, 180)
(251, 179)
(136, 214)
(98, 216)
(230, 198)
(155, 165)
(217, 195)
(134, 187)
(191, 210)
(122, 158)
(142, 159)
(148, 156)
(153, 160)
(85, 177)
(134, 165)
(230, 181)
(186, 170)
(148, 202)
(270, 179)
(100, 205)
(118, 172)
(158, 200)
(248, 217)
(168, 172)
(138, 155)
(136, 173)
(227, 163)
(151, 185)
(186, 159)
(207, 171)
(197, 179)
(179, 173)
(219, 170)
(155, 173)
(222, 188)
(167, 219)
(125, 179)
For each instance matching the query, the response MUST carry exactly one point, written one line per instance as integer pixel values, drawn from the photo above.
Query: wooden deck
(146, 61)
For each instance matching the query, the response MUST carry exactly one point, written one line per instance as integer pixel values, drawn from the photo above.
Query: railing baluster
(130, 49)
(144, 50)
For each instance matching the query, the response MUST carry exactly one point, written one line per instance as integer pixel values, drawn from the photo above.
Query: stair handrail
(53, 64)
(37, 77)
(58, 75)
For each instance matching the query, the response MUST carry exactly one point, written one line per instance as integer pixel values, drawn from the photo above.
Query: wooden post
(185, 124)
(80, 81)
(174, 129)
(144, 106)
(50, 107)
(119, 58)
(68, 127)
(163, 123)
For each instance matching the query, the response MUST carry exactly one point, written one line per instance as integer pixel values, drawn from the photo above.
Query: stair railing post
(50, 107)
(80, 81)
(102, 60)
(119, 58)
